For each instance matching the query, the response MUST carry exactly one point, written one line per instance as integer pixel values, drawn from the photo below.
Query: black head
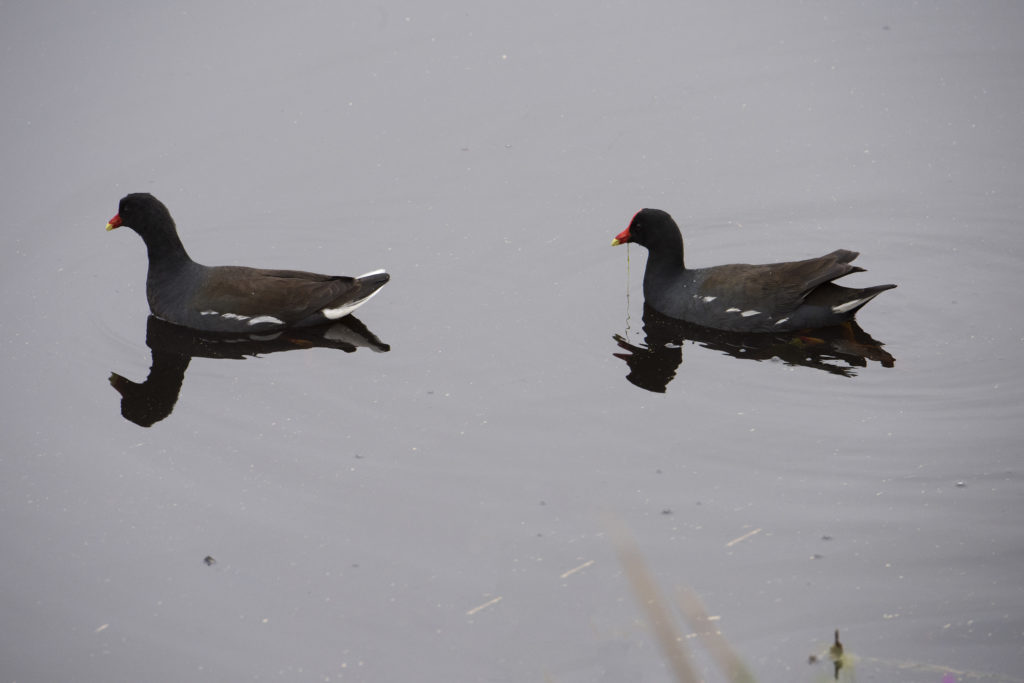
(651, 228)
(146, 215)
(143, 213)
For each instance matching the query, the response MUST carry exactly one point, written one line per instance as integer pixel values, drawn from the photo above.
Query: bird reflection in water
(837, 350)
(173, 347)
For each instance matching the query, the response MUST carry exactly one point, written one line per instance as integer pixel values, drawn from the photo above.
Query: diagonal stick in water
(721, 651)
(646, 592)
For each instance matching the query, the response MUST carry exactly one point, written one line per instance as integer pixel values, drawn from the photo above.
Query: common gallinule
(775, 297)
(233, 298)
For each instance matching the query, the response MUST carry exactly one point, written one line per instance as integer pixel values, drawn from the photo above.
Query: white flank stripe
(747, 314)
(265, 319)
(781, 320)
(709, 299)
(234, 316)
(843, 308)
(732, 310)
(208, 313)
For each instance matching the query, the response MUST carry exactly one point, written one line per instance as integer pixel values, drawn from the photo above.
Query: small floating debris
(834, 654)
(487, 604)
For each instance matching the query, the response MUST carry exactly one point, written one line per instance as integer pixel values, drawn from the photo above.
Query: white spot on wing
(260, 319)
(709, 299)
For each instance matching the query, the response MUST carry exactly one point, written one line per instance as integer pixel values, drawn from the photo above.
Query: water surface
(440, 510)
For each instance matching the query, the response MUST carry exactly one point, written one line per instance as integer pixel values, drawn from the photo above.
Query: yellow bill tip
(615, 242)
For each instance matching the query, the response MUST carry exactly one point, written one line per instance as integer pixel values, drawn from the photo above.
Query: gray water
(433, 502)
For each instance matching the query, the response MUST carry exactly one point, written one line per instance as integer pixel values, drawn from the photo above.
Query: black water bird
(775, 297)
(233, 299)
